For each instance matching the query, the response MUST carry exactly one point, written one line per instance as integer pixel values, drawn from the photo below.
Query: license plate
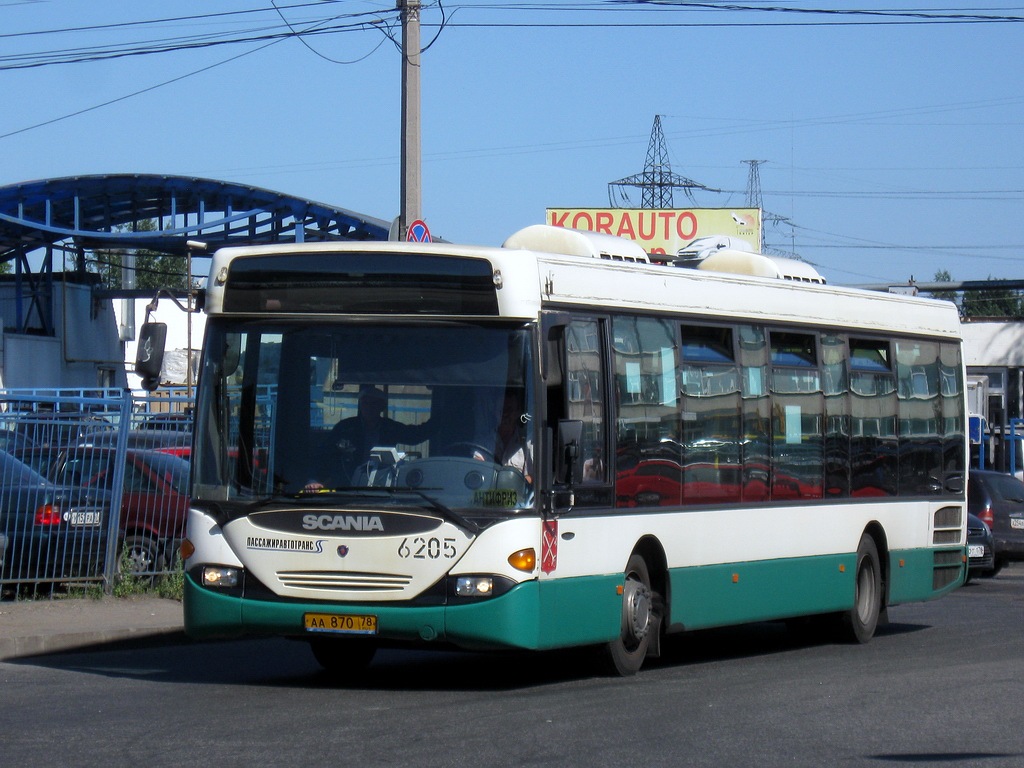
(1016, 522)
(83, 518)
(976, 550)
(341, 623)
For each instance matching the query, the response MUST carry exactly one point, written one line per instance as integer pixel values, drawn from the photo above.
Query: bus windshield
(317, 411)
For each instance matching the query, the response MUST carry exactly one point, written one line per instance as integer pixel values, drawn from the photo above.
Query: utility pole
(412, 195)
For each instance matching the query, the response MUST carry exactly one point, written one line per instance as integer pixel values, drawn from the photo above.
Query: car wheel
(140, 556)
(861, 620)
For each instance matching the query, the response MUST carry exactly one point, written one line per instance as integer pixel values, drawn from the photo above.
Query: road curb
(38, 627)
(12, 648)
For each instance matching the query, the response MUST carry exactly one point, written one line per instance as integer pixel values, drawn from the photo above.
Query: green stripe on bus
(737, 593)
(543, 614)
(587, 610)
(914, 579)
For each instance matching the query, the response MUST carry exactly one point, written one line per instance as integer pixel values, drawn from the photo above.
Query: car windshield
(173, 470)
(1007, 487)
(14, 472)
(421, 414)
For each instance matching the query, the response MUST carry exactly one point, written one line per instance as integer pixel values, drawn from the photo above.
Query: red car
(154, 504)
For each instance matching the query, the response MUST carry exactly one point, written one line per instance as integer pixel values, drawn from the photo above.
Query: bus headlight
(474, 586)
(220, 576)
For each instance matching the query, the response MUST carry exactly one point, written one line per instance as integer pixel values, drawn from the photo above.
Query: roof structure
(53, 218)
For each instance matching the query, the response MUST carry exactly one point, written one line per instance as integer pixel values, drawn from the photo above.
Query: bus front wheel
(861, 620)
(625, 655)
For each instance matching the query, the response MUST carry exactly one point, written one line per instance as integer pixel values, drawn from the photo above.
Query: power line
(134, 93)
(164, 21)
(104, 53)
(357, 21)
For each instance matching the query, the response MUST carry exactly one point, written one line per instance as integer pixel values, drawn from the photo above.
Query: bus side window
(585, 394)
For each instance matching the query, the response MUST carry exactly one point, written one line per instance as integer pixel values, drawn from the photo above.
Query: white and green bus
(690, 448)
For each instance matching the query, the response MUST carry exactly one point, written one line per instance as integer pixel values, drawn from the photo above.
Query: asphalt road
(942, 684)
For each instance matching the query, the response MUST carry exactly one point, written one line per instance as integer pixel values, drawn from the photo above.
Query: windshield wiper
(446, 512)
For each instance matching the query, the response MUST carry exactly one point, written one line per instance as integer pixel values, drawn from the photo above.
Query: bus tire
(860, 621)
(625, 654)
(342, 658)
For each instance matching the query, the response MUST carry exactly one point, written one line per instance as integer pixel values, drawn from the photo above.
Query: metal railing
(93, 486)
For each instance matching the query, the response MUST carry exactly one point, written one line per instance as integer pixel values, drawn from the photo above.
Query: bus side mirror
(568, 467)
(149, 356)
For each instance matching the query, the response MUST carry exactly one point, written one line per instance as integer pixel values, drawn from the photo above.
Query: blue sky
(891, 143)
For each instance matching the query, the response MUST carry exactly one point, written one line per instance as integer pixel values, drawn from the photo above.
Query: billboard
(665, 230)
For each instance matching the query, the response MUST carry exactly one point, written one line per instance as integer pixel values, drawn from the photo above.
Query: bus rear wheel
(625, 655)
(860, 622)
(342, 658)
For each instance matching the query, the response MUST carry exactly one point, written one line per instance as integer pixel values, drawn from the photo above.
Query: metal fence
(93, 486)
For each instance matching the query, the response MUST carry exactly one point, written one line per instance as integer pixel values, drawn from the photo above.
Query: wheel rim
(636, 612)
(140, 559)
(866, 591)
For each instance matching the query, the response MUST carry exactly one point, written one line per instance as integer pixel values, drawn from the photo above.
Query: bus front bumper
(514, 620)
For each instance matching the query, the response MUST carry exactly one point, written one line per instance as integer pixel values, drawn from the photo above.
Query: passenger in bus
(352, 440)
(593, 467)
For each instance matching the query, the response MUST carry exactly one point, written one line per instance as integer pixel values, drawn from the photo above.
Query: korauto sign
(663, 231)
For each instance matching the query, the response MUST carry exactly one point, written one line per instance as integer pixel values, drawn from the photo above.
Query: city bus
(690, 449)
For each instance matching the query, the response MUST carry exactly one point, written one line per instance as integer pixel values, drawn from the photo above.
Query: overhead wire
(618, 7)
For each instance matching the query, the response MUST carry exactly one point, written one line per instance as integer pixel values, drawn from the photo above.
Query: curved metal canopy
(98, 211)
(71, 215)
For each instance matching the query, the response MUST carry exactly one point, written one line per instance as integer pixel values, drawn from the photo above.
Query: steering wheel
(487, 453)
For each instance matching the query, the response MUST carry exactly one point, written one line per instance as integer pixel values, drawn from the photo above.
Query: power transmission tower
(754, 184)
(657, 181)
(754, 200)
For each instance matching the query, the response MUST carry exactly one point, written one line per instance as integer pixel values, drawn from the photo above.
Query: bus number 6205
(423, 548)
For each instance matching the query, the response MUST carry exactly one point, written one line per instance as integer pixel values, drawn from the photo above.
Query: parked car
(39, 457)
(173, 421)
(177, 443)
(12, 440)
(998, 499)
(980, 554)
(154, 501)
(49, 428)
(50, 531)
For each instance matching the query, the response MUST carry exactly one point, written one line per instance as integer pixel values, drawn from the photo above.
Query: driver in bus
(511, 448)
(355, 437)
